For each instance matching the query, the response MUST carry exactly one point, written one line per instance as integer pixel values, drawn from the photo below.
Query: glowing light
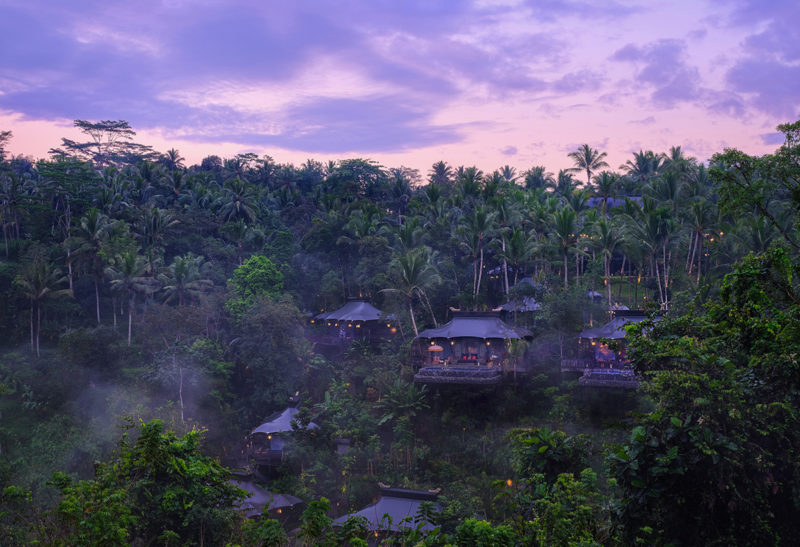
(509, 482)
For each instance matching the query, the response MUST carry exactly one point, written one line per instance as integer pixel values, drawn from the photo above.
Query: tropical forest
(245, 352)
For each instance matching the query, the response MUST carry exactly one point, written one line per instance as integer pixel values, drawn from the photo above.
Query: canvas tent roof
(476, 325)
(253, 505)
(614, 329)
(398, 503)
(280, 421)
(356, 310)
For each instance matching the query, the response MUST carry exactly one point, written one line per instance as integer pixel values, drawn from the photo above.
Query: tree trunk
(33, 346)
(413, 321)
(96, 297)
(38, 325)
(505, 262)
(130, 319)
(699, 259)
(566, 282)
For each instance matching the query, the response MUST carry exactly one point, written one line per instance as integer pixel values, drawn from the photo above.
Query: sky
(404, 82)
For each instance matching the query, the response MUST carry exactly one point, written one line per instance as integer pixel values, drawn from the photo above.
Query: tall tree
(589, 160)
(111, 143)
(414, 273)
(90, 235)
(40, 281)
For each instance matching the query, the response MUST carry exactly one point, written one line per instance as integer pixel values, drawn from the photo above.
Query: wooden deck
(620, 378)
(459, 374)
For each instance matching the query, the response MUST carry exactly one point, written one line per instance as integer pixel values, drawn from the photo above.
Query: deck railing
(459, 375)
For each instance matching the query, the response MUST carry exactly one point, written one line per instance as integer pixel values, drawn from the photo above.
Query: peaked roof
(280, 421)
(476, 325)
(356, 310)
(614, 329)
(253, 505)
(398, 503)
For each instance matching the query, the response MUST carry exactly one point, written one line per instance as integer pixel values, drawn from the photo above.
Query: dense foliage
(136, 286)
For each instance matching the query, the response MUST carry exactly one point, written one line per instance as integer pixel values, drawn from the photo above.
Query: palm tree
(509, 174)
(90, 235)
(475, 230)
(183, 278)
(606, 240)
(126, 275)
(588, 159)
(39, 281)
(565, 233)
(564, 183)
(519, 248)
(605, 187)
(415, 273)
(441, 175)
(643, 167)
(239, 200)
(507, 215)
(538, 177)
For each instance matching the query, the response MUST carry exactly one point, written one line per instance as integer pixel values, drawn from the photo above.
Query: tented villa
(601, 365)
(473, 348)
(356, 320)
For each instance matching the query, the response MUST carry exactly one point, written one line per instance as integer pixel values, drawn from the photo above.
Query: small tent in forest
(397, 508)
(357, 319)
(269, 441)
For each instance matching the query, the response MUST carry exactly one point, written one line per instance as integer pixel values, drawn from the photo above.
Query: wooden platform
(462, 374)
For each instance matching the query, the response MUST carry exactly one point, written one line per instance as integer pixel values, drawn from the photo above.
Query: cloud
(662, 67)
(768, 69)
(509, 151)
(773, 85)
(574, 82)
(775, 139)
(338, 125)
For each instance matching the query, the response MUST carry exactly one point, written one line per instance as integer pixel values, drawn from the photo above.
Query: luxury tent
(259, 498)
(397, 508)
(602, 366)
(471, 348)
(268, 442)
(356, 319)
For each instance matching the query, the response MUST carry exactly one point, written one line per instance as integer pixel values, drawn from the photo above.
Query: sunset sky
(411, 82)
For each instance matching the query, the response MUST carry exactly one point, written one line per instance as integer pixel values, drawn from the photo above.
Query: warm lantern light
(349, 324)
(394, 330)
(509, 482)
(452, 342)
(358, 326)
(488, 343)
(388, 325)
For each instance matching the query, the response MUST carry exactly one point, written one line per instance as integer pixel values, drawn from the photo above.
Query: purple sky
(408, 82)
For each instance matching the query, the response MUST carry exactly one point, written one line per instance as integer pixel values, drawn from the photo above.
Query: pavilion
(269, 441)
(397, 508)
(357, 319)
(470, 349)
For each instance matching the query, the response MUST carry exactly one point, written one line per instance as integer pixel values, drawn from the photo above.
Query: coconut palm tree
(565, 234)
(589, 160)
(475, 231)
(538, 177)
(606, 240)
(183, 278)
(414, 274)
(605, 187)
(126, 273)
(91, 233)
(40, 281)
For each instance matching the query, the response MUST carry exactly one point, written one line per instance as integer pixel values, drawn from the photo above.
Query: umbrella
(435, 347)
